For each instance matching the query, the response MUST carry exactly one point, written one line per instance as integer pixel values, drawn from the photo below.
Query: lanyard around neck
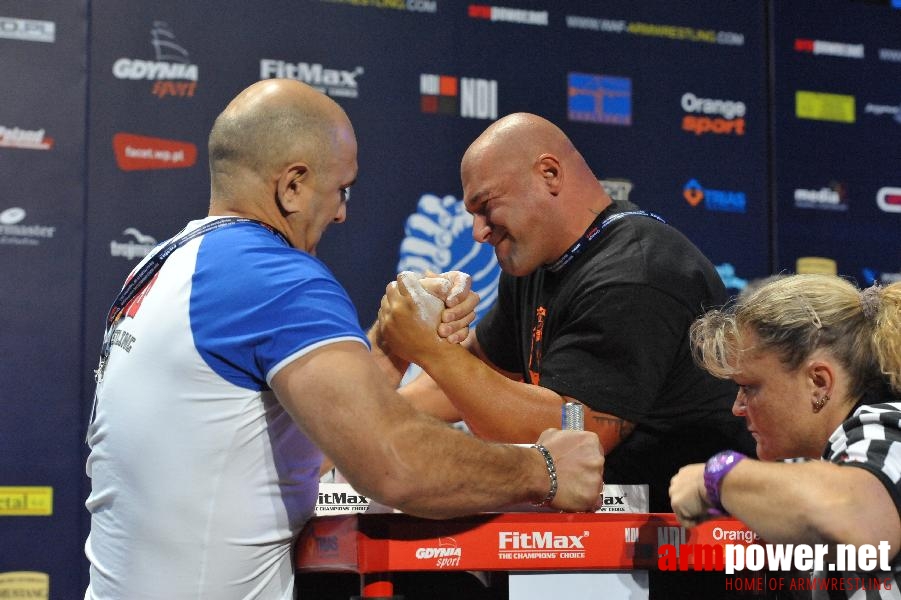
(149, 270)
(592, 233)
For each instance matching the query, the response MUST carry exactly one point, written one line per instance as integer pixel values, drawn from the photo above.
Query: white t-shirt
(200, 479)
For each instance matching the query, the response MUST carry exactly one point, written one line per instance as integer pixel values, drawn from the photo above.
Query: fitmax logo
(539, 540)
(334, 82)
(342, 498)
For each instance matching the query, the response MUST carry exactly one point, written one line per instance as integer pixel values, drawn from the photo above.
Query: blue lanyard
(592, 233)
(148, 271)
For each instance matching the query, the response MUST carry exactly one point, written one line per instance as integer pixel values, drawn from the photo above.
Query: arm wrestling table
(375, 545)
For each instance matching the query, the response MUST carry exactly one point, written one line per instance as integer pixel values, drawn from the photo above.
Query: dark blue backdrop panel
(42, 66)
(668, 102)
(840, 147)
(407, 152)
(698, 114)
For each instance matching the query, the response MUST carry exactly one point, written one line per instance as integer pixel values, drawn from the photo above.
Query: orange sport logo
(712, 115)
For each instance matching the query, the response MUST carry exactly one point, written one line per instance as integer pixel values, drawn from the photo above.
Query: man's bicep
(338, 397)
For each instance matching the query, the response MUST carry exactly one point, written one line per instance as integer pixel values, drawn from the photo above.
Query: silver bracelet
(551, 472)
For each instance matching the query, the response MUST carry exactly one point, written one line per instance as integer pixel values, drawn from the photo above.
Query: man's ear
(551, 172)
(292, 188)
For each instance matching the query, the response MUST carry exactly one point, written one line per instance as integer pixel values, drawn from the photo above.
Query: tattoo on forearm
(622, 428)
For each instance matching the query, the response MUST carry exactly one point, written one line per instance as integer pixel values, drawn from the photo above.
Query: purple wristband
(716, 468)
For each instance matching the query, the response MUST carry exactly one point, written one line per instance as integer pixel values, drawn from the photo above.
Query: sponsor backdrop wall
(768, 133)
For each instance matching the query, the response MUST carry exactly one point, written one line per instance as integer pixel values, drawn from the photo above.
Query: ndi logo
(437, 238)
(469, 97)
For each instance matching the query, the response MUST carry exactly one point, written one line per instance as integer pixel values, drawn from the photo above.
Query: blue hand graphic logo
(437, 238)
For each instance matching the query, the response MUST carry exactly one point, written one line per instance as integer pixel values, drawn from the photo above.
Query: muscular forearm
(815, 502)
(391, 365)
(428, 480)
(494, 406)
(425, 395)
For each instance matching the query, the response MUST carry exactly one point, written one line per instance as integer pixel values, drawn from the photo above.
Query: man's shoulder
(257, 254)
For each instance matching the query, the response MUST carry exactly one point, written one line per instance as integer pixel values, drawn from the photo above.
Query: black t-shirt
(611, 330)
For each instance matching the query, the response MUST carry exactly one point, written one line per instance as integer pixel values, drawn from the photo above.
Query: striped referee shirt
(869, 439)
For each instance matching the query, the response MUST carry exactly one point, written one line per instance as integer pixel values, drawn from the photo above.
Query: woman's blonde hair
(793, 315)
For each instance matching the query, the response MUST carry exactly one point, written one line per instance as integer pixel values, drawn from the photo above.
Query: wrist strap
(551, 472)
(717, 467)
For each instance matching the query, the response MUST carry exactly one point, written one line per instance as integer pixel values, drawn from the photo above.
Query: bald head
(529, 190)
(519, 138)
(267, 126)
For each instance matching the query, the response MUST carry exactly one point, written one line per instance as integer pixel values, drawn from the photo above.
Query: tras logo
(716, 200)
(445, 554)
(437, 239)
(172, 73)
(464, 96)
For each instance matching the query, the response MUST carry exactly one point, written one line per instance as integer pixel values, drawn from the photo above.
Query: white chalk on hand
(460, 282)
(428, 307)
(436, 286)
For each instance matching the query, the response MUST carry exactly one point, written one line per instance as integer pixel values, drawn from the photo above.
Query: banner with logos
(42, 132)
(107, 106)
(837, 128)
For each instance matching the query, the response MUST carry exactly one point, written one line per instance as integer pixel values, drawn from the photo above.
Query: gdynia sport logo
(842, 566)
